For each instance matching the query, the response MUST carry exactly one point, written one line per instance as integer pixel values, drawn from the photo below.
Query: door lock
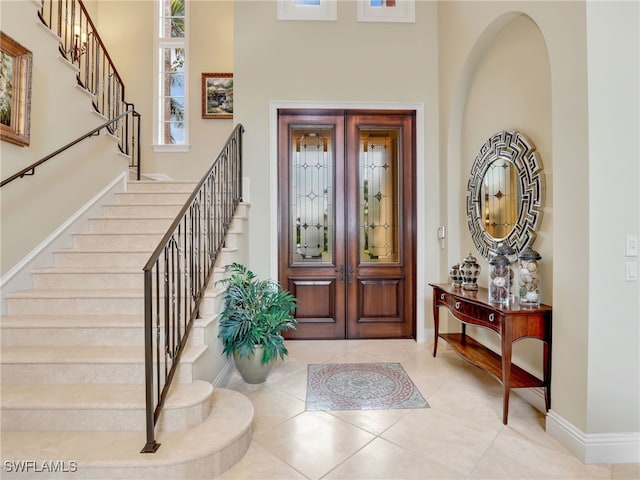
(351, 270)
(341, 270)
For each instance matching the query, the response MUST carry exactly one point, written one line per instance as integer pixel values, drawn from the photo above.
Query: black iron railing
(81, 45)
(177, 274)
(133, 144)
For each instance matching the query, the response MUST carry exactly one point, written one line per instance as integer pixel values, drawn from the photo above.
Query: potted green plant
(255, 314)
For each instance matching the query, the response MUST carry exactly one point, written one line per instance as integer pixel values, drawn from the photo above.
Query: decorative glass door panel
(347, 222)
(379, 205)
(311, 177)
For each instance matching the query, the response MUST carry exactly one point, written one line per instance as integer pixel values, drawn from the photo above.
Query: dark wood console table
(511, 323)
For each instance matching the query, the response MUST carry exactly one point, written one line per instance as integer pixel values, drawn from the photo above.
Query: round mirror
(499, 198)
(504, 193)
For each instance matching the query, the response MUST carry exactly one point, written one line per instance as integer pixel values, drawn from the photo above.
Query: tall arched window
(171, 85)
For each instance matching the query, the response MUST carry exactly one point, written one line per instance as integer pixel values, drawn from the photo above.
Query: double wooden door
(347, 222)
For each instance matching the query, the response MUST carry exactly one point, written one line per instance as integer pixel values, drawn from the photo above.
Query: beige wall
(128, 30)
(544, 94)
(323, 62)
(614, 212)
(34, 206)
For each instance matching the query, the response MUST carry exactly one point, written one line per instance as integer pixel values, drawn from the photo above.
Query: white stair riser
(118, 241)
(75, 306)
(167, 187)
(227, 256)
(139, 211)
(233, 240)
(128, 225)
(123, 242)
(102, 419)
(84, 336)
(84, 373)
(88, 280)
(211, 304)
(73, 258)
(72, 337)
(139, 198)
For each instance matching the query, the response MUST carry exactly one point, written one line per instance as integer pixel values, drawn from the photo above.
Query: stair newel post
(151, 446)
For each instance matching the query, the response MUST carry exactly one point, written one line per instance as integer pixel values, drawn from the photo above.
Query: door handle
(351, 270)
(341, 270)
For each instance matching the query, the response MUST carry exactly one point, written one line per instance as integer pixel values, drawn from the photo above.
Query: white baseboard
(225, 374)
(533, 396)
(591, 448)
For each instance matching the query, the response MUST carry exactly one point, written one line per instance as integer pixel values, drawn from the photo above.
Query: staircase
(72, 363)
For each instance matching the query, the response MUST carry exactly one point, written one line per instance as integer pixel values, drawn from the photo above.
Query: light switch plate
(631, 274)
(631, 246)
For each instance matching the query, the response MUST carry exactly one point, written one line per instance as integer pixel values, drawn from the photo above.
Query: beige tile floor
(460, 437)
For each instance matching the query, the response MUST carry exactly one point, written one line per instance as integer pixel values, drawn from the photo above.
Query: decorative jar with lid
(456, 276)
(470, 271)
(499, 279)
(529, 277)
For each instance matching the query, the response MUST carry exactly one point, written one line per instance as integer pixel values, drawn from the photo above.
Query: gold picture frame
(217, 95)
(15, 91)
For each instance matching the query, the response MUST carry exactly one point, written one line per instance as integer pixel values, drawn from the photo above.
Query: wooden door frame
(421, 247)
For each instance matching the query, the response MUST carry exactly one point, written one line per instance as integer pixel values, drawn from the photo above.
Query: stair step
(202, 452)
(84, 330)
(72, 330)
(82, 365)
(76, 302)
(142, 210)
(101, 258)
(99, 407)
(116, 241)
(128, 225)
(82, 278)
(162, 186)
(160, 198)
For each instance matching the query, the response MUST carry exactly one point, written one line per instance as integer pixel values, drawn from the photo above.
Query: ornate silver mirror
(505, 193)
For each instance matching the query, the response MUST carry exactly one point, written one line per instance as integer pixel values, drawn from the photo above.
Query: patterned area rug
(361, 386)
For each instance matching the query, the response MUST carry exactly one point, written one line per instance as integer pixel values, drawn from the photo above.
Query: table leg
(506, 374)
(547, 374)
(436, 322)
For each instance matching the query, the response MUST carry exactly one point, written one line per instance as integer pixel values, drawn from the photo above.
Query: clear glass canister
(499, 279)
(529, 278)
(512, 257)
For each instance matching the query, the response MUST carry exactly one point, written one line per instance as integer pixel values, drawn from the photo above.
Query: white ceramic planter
(251, 368)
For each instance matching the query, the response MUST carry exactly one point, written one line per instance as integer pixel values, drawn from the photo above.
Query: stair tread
(91, 354)
(72, 321)
(230, 420)
(145, 205)
(89, 269)
(89, 293)
(104, 250)
(92, 396)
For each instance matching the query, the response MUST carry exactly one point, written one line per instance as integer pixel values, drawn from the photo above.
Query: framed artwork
(387, 11)
(217, 95)
(15, 91)
(307, 10)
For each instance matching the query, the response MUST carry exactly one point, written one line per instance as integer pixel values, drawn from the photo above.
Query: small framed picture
(307, 10)
(217, 95)
(387, 11)
(15, 91)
